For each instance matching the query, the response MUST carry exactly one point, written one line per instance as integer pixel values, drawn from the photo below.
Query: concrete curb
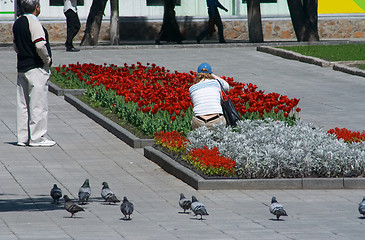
(294, 56)
(349, 70)
(311, 60)
(199, 183)
(108, 124)
(53, 88)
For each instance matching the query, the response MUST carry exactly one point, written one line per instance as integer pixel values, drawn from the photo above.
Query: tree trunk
(93, 23)
(304, 15)
(311, 8)
(254, 21)
(114, 22)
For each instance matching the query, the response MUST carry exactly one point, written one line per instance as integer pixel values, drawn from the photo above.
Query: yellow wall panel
(339, 6)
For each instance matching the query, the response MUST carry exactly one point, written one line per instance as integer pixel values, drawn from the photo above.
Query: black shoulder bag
(229, 111)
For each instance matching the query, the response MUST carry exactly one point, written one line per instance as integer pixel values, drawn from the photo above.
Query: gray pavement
(85, 150)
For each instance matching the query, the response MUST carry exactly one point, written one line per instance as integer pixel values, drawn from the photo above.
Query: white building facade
(52, 9)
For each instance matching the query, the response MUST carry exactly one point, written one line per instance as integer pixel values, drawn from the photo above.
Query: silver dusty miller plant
(272, 149)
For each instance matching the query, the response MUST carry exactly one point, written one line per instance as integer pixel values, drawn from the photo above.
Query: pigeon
(108, 194)
(184, 203)
(56, 194)
(126, 208)
(71, 207)
(198, 208)
(84, 192)
(277, 209)
(362, 207)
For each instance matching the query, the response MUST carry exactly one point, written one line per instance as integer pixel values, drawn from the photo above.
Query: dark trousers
(213, 20)
(73, 26)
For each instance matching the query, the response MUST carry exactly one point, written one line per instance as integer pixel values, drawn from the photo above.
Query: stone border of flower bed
(108, 124)
(53, 88)
(311, 60)
(199, 183)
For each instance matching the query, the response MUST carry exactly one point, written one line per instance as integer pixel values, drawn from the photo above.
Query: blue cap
(204, 68)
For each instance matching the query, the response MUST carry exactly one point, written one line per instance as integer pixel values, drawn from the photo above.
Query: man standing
(214, 19)
(34, 60)
(73, 23)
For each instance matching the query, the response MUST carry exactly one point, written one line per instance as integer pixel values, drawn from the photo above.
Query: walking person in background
(34, 60)
(170, 31)
(205, 95)
(214, 19)
(73, 23)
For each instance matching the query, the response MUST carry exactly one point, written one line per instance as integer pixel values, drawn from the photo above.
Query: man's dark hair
(29, 5)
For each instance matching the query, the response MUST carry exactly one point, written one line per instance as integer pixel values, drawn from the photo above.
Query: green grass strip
(343, 52)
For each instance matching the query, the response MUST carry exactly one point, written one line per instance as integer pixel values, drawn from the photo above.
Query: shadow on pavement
(42, 203)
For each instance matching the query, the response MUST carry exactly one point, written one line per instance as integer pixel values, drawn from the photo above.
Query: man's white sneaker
(44, 142)
(21, 144)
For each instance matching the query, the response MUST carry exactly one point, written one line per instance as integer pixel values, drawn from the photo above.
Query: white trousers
(32, 104)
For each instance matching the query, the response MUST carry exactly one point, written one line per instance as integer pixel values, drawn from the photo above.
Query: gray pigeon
(108, 194)
(56, 194)
(277, 209)
(71, 207)
(84, 192)
(362, 207)
(184, 203)
(126, 208)
(198, 208)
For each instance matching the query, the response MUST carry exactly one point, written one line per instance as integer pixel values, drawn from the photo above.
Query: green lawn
(343, 52)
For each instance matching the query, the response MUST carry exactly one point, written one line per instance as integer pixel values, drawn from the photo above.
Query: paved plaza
(328, 99)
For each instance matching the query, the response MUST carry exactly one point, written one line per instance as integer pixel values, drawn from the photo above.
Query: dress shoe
(72, 49)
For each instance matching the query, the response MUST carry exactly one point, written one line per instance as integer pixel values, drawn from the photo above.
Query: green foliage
(66, 80)
(148, 122)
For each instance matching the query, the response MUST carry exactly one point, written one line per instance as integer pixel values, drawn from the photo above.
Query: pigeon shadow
(73, 217)
(184, 212)
(362, 217)
(198, 219)
(28, 204)
(109, 203)
(277, 220)
(125, 219)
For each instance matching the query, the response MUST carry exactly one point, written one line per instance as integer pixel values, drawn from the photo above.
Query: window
(60, 2)
(161, 2)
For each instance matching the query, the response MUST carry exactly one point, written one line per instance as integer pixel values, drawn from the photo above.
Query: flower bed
(157, 102)
(154, 99)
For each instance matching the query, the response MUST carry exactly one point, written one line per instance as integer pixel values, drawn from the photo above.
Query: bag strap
(222, 90)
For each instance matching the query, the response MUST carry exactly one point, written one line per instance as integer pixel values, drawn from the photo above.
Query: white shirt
(206, 96)
(69, 4)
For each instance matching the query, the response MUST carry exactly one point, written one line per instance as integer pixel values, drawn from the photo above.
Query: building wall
(142, 22)
(234, 29)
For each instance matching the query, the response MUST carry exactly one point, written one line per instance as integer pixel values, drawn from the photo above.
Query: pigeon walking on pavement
(108, 194)
(56, 194)
(71, 207)
(362, 207)
(277, 209)
(127, 208)
(84, 192)
(184, 203)
(198, 208)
